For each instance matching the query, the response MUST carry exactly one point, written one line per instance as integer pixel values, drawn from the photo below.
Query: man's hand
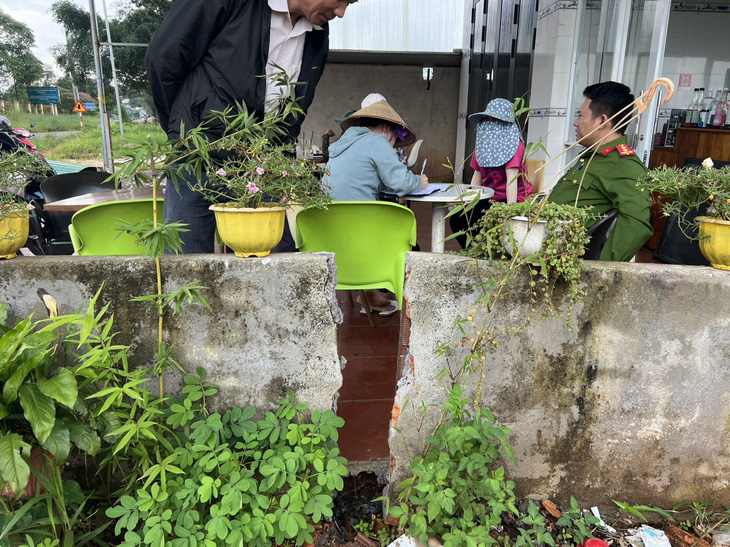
(424, 181)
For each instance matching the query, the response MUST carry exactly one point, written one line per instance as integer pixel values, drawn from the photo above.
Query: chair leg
(366, 305)
(352, 302)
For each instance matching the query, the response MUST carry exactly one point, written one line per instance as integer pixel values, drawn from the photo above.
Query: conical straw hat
(381, 110)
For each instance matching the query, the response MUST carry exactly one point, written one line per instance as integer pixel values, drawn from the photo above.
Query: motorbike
(11, 141)
(24, 137)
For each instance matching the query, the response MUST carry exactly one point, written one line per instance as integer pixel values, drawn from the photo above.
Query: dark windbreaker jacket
(209, 54)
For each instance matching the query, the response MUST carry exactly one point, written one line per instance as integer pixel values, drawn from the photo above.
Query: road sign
(43, 95)
(90, 107)
(78, 107)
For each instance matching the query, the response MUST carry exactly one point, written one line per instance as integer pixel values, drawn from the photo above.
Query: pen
(424, 166)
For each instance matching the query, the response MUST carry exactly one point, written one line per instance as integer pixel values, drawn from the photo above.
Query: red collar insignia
(606, 151)
(625, 150)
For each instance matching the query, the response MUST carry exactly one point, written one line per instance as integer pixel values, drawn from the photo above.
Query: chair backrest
(94, 229)
(369, 238)
(533, 175)
(413, 156)
(599, 233)
(64, 186)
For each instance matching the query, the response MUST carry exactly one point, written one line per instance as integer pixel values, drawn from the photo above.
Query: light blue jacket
(362, 164)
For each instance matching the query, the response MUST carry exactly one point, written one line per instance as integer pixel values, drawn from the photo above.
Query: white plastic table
(440, 202)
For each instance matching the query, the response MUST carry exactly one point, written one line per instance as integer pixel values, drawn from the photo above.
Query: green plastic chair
(369, 238)
(94, 230)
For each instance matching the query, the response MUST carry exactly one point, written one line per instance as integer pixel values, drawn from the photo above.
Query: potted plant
(536, 233)
(687, 189)
(252, 187)
(16, 170)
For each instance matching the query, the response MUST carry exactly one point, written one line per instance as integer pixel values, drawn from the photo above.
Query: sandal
(383, 311)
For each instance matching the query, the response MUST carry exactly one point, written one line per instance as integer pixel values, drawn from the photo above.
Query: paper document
(427, 191)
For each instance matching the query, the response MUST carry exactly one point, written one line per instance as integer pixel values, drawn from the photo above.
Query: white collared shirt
(286, 47)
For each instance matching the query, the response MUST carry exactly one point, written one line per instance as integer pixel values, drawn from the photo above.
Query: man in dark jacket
(209, 54)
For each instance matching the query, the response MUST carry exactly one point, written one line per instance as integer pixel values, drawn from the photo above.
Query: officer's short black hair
(609, 98)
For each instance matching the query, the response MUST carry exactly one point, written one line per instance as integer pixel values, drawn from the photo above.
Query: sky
(36, 14)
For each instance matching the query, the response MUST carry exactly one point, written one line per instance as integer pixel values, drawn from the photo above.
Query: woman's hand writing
(424, 181)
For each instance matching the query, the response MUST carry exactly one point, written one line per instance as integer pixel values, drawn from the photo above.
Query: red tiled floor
(365, 433)
(368, 381)
(368, 378)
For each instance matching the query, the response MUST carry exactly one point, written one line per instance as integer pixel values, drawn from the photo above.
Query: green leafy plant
(227, 479)
(16, 170)
(378, 530)
(40, 404)
(687, 189)
(534, 530)
(576, 525)
(258, 170)
(457, 490)
(639, 510)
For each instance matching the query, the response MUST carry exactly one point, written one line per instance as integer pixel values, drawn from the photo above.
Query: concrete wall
(632, 405)
(431, 114)
(273, 324)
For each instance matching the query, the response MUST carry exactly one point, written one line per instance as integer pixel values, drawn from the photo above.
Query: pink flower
(259, 170)
(221, 172)
(252, 188)
(284, 173)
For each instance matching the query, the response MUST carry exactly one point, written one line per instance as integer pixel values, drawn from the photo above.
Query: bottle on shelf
(704, 119)
(696, 111)
(721, 113)
(691, 108)
(713, 106)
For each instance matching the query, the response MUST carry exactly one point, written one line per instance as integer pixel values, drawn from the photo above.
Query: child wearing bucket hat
(363, 164)
(498, 162)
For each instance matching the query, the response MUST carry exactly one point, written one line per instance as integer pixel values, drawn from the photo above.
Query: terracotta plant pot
(14, 229)
(715, 241)
(250, 232)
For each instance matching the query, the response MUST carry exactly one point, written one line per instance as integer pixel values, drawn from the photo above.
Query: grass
(44, 123)
(86, 145)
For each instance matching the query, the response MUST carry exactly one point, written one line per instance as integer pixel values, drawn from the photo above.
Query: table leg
(438, 227)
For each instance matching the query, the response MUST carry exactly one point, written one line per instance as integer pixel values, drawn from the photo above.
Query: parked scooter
(24, 137)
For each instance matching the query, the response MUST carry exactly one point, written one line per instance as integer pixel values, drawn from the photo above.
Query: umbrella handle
(644, 100)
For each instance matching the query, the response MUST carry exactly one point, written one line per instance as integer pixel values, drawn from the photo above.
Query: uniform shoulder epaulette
(625, 150)
(606, 151)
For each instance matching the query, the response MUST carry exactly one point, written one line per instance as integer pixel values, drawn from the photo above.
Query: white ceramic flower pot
(528, 240)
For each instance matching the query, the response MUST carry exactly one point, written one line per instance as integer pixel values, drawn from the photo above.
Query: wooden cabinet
(693, 142)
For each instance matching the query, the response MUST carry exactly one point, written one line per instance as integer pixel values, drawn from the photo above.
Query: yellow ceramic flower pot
(250, 232)
(715, 241)
(14, 228)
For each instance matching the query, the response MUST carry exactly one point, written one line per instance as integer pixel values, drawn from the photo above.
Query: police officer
(605, 175)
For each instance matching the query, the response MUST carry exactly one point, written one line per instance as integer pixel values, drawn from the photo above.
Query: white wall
(697, 44)
(551, 83)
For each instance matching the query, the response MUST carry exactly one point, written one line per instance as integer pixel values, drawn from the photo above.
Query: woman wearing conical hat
(498, 162)
(363, 163)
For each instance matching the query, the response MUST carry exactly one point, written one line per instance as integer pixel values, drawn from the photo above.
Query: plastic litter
(649, 537)
(597, 514)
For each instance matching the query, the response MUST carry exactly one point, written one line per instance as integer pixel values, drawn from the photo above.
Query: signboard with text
(43, 95)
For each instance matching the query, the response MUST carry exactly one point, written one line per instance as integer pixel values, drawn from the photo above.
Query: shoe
(387, 312)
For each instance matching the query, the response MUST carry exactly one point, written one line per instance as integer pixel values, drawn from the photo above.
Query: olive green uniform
(609, 182)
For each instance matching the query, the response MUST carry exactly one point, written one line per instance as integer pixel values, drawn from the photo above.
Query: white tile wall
(697, 44)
